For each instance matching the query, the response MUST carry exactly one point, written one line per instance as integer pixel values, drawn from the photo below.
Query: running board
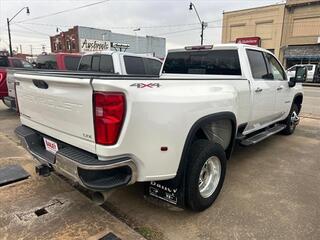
(262, 135)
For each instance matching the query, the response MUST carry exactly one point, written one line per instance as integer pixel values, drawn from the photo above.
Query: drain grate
(40, 212)
(110, 236)
(11, 174)
(53, 206)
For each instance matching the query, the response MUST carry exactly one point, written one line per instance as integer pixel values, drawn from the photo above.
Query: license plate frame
(51, 146)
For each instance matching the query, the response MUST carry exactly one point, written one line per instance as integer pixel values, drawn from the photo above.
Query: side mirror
(301, 76)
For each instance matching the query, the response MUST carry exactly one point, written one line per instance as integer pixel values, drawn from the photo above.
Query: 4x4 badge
(145, 85)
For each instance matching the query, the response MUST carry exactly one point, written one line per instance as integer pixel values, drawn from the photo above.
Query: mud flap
(168, 191)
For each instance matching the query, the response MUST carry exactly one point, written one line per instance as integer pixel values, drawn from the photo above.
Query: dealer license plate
(51, 146)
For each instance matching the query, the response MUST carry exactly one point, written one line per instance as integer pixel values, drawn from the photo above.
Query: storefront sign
(89, 45)
(256, 41)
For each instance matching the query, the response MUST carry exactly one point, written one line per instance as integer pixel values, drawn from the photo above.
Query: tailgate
(58, 106)
(10, 82)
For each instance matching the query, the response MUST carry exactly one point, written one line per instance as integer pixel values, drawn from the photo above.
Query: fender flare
(192, 132)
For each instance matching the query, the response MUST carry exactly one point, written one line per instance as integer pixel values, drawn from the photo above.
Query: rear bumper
(78, 165)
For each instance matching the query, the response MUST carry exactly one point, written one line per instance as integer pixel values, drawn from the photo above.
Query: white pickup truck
(175, 131)
(104, 62)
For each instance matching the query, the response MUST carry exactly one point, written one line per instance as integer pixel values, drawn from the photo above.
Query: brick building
(291, 30)
(81, 39)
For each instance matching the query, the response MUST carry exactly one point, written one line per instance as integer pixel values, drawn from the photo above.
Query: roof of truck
(145, 55)
(219, 46)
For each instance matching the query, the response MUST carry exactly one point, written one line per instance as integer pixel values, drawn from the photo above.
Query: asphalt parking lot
(271, 191)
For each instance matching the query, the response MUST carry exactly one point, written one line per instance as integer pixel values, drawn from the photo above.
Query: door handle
(279, 88)
(258, 90)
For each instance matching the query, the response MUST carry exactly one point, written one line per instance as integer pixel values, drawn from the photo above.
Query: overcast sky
(166, 18)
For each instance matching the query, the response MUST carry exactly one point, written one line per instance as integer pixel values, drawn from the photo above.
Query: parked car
(6, 63)
(175, 131)
(311, 68)
(58, 61)
(120, 63)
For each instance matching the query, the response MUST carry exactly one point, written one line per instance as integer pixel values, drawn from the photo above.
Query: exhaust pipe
(99, 198)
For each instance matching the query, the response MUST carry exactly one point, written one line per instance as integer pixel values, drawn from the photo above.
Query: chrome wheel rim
(209, 177)
(294, 120)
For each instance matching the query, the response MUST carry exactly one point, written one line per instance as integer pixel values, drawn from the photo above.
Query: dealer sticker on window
(51, 146)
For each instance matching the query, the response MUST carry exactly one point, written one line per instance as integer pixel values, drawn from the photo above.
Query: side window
(152, 66)
(95, 63)
(275, 68)
(17, 63)
(106, 64)
(134, 65)
(257, 64)
(85, 63)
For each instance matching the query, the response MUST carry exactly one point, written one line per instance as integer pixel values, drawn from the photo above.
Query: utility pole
(8, 23)
(20, 48)
(203, 24)
(9, 33)
(31, 50)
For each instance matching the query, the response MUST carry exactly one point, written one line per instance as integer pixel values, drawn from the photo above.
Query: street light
(203, 24)
(135, 33)
(8, 22)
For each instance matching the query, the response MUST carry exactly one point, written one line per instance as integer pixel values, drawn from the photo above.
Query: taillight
(109, 113)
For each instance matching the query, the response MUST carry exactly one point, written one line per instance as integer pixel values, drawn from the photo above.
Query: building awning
(311, 52)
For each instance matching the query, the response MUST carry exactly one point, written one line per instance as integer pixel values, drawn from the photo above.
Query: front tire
(205, 174)
(292, 120)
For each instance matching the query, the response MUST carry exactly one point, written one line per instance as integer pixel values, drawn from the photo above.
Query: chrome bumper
(79, 165)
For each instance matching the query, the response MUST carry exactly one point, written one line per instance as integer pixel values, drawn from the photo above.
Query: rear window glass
(106, 64)
(152, 66)
(142, 65)
(216, 62)
(134, 65)
(71, 62)
(85, 63)
(47, 62)
(95, 64)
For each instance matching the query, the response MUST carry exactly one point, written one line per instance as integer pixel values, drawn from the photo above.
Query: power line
(63, 11)
(32, 30)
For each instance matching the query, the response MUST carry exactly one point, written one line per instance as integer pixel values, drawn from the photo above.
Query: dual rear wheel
(205, 174)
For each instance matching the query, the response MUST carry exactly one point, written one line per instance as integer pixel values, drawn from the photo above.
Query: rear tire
(205, 174)
(292, 120)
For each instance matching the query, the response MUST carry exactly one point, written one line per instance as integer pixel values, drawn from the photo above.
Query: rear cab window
(213, 62)
(97, 63)
(142, 65)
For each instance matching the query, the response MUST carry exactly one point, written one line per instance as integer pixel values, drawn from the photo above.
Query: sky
(171, 19)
